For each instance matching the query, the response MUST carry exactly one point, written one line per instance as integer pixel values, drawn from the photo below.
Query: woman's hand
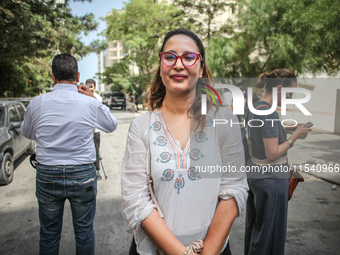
(219, 229)
(273, 150)
(159, 233)
(290, 130)
(301, 132)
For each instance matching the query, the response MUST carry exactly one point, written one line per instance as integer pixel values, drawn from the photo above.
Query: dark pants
(266, 216)
(96, 139)
(133, 249)
(55, 184)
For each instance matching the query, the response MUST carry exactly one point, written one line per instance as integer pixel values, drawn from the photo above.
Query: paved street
(19, 231)
(313, 224)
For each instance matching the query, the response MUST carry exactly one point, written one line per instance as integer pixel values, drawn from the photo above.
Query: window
(2, 117)
(13, 114)
(21, 111)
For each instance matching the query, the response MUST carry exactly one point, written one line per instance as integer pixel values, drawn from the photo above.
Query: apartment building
(113, 54)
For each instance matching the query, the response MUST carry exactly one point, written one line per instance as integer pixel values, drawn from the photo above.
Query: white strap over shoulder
(150, 180)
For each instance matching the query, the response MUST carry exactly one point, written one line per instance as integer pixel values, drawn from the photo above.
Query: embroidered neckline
(173, 143)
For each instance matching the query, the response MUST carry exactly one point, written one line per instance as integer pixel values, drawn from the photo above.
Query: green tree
(140, 25)
(231, 57)
(118, 75)
(227, 51)
(200, 16)
(300, 35)
(31, 33)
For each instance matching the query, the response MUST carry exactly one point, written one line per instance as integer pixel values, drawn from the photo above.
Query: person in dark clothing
(267, 204)
(137, 96)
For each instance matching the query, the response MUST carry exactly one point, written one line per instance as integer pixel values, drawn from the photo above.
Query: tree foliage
(31, 33)
(140, 26)
(118, 75)
(201, 16)
(299, 35)
(303, 36)
(232, 57)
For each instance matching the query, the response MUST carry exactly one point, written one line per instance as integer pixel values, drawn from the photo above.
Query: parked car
(105, 96)
(24, 100)
(114, 99)
(12, 143)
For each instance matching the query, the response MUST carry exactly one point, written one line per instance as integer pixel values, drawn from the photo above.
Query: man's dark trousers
(96, 139)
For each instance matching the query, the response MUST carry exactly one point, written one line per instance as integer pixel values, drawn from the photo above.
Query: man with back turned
(62, 123)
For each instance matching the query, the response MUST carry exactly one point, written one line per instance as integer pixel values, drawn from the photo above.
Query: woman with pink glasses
(171, 143)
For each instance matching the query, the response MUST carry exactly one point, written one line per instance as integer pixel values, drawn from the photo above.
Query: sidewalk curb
(323, 178)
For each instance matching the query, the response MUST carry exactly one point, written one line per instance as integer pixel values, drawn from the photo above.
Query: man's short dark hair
(65, 67)
(90, 81)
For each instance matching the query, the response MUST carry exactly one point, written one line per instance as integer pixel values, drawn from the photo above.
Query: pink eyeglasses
(187, 59)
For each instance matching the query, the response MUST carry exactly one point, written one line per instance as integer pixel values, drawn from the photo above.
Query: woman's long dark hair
(158, 91)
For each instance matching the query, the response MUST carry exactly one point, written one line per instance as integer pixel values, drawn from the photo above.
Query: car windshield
(2, 116)
(25, 103)
(118, 95)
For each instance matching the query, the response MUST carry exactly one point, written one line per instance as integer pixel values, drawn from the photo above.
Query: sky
(88, 66)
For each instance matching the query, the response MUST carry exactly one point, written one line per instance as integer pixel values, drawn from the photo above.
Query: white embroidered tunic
(187, 196)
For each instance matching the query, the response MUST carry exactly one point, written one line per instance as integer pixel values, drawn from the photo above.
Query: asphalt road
(313, 221)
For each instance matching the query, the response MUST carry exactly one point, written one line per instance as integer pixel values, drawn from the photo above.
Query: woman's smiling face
(176, 78)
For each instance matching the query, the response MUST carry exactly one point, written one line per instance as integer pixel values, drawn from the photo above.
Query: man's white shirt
(62, 123)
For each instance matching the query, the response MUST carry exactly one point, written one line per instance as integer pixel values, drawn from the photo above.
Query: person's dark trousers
(266, 216)
(96, 139)
(133, 249)
(55, 184)
(227, 250)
